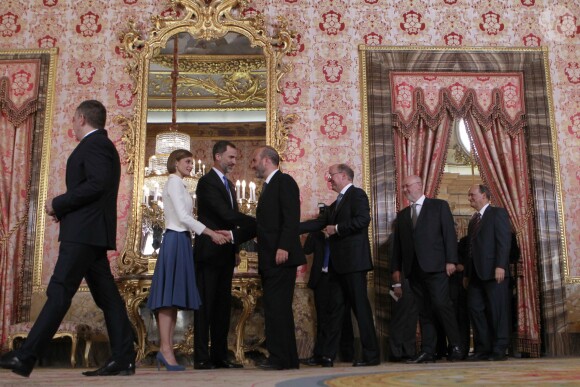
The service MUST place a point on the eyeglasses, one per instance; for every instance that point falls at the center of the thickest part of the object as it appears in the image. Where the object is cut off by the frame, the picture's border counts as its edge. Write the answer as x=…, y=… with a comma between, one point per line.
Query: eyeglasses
x=329, y=175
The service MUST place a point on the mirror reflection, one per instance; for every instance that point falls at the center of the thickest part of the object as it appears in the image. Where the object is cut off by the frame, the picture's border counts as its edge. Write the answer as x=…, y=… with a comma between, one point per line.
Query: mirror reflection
x=200, y=91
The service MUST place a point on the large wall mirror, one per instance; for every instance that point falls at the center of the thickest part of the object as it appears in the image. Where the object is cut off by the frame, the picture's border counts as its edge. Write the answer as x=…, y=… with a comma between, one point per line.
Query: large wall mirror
x=203, y=72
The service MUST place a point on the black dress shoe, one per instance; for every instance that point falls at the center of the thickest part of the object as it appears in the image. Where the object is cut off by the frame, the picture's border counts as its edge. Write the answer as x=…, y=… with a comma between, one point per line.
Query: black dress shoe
x=113, y=368
x=267, y=366
x=422, y=357
x=204, y=365
x=326, y=362
x=497, y=357
x=312, y=361
x=455, y=354
x=18, y=365
x=365, y=363
x=478, y=356
x=226, y=364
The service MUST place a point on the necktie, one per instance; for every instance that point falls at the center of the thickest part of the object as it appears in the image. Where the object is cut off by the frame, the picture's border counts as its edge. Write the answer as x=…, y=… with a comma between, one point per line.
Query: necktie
x=414, y=214
x=227, y=188
x=326, y=254
x=338, y=199
x=472, y=228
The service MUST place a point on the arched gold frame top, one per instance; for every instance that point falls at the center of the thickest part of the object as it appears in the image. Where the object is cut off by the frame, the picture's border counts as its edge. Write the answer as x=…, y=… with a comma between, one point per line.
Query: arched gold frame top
x=205, y=21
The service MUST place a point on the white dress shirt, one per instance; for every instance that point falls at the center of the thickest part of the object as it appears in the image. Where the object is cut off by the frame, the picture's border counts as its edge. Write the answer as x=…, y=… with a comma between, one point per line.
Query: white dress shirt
x=178, y=207
x=419, y=205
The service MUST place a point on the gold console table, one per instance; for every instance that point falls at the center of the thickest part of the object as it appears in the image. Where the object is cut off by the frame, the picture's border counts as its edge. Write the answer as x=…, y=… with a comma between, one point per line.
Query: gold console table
x=245, y=286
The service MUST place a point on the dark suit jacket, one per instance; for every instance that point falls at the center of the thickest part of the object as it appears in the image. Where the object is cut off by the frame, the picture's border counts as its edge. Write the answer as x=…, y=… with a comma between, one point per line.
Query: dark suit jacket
x=349, y=249
x=433, y=240
x=491, y=246
x=214, y=210
x=278, y=219
x=88, y=209
x=315, y=245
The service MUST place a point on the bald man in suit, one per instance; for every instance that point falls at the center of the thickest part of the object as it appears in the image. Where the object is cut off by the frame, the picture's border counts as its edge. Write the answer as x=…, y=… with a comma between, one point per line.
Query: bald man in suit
x=425, y=252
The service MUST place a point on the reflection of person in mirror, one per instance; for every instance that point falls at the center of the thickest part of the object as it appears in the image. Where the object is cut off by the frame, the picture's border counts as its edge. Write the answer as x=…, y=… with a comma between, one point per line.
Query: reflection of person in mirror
x=218, y=209
x=173, y=285
x=87, y=216
x=279, y=254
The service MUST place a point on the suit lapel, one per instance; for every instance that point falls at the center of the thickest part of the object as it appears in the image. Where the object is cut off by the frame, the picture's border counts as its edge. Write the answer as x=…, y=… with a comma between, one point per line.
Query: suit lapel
x=217, y=181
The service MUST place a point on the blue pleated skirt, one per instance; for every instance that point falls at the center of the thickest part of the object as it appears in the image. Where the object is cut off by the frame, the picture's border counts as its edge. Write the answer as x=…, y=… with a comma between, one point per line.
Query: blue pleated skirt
x=173, y=284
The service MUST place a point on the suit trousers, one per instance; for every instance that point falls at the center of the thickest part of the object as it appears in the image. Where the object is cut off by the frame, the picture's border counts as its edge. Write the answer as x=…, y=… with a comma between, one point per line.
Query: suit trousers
x=75, y=261
x=350, y=288
x=431, y=291
x=212, y=320
x=322, y=295
x=489, y=309
x=278, y=292
x=403, y=325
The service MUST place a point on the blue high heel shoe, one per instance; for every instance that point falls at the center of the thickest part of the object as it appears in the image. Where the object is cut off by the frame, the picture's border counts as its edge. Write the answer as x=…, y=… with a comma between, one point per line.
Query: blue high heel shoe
x=169, y=367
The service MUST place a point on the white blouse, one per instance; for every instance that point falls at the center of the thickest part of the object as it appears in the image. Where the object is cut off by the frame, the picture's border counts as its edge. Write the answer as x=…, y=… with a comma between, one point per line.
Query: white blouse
x=178, y=207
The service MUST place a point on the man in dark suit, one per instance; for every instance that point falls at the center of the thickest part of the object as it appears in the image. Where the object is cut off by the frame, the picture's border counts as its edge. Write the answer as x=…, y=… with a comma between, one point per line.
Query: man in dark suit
x=279, y=253
x=425, y=251
x=346, y=223
x=487, y=277
x=87, y=213
x=317, y=244
x=214, y=264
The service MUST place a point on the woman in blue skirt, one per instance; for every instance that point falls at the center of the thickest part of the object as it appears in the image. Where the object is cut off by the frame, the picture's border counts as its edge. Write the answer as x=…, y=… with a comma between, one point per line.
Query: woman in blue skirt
x=173, y=286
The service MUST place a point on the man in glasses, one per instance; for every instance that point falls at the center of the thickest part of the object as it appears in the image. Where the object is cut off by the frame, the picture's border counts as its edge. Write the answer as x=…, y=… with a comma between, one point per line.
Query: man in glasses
x=346, y=222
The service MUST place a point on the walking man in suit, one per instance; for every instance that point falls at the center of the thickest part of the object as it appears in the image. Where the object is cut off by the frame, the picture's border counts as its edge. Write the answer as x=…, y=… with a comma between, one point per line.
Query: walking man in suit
x=425, y=251
x=279, y=253
x=87, y=213
x=487, y=277
x=214, y=264
x=346, y=222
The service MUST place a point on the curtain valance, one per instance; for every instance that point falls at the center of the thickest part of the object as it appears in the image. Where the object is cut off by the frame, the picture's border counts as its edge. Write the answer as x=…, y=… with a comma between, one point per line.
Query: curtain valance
x=427, y=96
x=19, y=83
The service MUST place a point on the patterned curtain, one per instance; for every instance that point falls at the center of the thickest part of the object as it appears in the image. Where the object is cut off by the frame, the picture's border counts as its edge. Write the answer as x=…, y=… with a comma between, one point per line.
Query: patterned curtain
x=18, y=104
x=422, y=152
x=502, y=159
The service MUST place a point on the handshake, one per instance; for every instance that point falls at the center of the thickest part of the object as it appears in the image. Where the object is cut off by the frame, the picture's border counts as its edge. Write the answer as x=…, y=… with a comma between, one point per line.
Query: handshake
x=221, y=237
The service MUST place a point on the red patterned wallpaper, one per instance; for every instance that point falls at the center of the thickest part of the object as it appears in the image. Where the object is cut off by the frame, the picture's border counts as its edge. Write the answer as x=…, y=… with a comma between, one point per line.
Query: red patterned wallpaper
x=323, y=89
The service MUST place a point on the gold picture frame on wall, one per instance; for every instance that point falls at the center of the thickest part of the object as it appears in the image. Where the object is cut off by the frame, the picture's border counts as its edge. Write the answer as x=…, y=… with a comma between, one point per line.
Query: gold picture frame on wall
x=200, y=21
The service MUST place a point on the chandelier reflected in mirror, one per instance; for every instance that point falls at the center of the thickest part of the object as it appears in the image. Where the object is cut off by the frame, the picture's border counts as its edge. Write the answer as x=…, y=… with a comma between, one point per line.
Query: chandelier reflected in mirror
x=156, y=173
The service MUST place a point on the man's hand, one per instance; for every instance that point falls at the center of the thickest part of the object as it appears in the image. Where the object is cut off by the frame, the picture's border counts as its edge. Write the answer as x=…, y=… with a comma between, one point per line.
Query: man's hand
x=48, y=207
x=465, y=282
x=281, y=256
x=450, y=268
x=499, y=275
x=330, y=229
x=398, y=292
x=459, y=267
x=396, y=277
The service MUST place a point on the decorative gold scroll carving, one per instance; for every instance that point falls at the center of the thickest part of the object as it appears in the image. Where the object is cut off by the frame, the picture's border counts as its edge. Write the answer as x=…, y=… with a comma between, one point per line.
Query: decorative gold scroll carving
x=213, y=64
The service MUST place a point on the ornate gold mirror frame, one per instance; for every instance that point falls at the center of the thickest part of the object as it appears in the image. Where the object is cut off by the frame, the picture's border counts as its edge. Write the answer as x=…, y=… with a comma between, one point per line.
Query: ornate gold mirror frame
x=203, y=20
